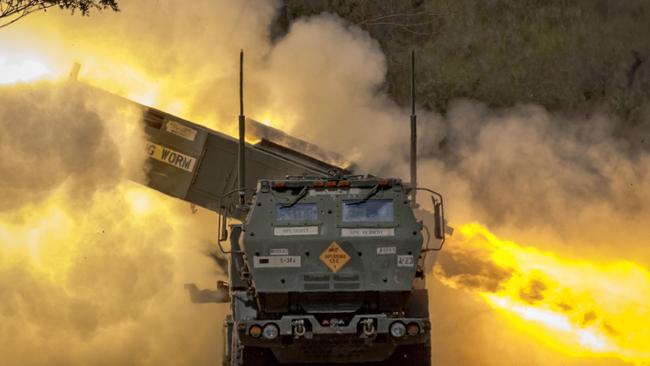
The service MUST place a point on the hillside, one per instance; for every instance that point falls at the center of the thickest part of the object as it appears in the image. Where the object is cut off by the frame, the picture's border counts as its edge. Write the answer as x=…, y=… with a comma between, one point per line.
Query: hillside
x=567, y=55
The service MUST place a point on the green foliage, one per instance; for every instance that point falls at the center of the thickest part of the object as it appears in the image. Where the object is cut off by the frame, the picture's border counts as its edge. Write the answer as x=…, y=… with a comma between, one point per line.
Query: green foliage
x=13, y=10
x=84, y=6
x=563, y=54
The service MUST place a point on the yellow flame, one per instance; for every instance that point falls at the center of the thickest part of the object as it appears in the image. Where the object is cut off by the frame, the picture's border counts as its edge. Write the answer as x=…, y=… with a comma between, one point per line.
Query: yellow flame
x=140, y=200
x=579, y=307
x=47, y=234
x=14, y=70
x=271, y=119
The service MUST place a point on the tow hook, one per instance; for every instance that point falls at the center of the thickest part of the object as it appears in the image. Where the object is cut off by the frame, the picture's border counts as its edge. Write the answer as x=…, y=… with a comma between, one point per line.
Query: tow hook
x=368, y=327
x=299, y=328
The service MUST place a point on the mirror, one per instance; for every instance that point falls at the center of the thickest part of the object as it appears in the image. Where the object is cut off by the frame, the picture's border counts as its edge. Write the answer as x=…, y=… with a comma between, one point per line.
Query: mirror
x=223, y=225
x=439, y=216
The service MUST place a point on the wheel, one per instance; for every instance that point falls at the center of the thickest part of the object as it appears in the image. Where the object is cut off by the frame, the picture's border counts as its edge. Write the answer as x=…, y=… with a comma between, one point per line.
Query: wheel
x=411, y=355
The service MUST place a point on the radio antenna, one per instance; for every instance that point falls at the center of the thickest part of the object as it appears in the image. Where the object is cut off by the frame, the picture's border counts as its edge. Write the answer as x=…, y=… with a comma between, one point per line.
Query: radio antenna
x=242, y=134
x=414, y=152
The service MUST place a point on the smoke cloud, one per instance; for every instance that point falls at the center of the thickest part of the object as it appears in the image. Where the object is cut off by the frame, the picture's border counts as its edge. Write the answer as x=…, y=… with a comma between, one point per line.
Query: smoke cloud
x=100, y=279
x=43, y=149
x=91, y=264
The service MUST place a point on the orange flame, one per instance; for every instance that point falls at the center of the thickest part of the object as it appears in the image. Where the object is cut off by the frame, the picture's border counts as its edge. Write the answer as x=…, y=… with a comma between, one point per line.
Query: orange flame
x=579, y=307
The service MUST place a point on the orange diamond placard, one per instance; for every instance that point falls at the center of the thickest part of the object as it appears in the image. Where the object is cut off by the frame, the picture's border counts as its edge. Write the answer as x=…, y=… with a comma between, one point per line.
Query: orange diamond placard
x=335, y=257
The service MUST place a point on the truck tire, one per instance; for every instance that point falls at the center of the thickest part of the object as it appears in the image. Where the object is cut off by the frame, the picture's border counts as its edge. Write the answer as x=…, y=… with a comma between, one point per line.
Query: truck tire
x=411, y=355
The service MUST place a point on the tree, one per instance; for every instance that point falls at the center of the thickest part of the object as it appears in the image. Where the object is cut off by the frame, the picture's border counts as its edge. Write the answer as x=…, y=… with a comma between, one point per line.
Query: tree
x=13, y=10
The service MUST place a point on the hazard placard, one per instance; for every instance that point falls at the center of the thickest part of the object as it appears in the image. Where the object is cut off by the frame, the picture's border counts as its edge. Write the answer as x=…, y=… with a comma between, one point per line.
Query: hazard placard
x=335, y=257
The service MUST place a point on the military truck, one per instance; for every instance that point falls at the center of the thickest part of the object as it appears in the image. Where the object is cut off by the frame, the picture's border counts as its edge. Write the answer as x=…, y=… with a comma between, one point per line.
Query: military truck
x=325, y=266
x=327, y=270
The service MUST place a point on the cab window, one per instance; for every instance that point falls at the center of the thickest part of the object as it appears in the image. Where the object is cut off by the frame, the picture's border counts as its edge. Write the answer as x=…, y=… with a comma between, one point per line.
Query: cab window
x=297, y=212
x=369, y=211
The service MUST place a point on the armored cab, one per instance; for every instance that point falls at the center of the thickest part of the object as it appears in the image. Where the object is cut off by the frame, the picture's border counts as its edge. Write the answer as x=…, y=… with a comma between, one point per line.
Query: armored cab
x=328, y=270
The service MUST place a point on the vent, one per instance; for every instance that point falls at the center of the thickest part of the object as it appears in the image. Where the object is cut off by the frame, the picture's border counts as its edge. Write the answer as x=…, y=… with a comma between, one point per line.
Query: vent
x=317, y=286
x=348, y=278
x=317, y=278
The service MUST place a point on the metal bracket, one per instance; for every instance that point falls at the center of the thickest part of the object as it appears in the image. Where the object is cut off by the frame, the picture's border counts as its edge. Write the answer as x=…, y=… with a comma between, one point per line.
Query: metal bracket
x=220, y=295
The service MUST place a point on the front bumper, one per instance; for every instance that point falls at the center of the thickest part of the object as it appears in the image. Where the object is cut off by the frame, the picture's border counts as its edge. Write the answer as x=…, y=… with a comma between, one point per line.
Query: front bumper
x=365, y=338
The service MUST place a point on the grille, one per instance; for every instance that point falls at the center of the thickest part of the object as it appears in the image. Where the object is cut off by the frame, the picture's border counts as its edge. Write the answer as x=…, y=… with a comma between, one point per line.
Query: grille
x=314, y=282
x=317, y=286
x=317, y=278
x=346, y=278
x=346, y=286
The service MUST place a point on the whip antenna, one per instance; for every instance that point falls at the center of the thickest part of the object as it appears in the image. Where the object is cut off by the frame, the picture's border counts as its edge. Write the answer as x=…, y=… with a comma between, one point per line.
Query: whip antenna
x=414, y=158
x=242, y=134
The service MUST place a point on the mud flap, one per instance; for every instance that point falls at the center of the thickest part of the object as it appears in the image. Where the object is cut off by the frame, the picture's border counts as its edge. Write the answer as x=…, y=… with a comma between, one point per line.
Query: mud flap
x=227, y=340
x=418, y=304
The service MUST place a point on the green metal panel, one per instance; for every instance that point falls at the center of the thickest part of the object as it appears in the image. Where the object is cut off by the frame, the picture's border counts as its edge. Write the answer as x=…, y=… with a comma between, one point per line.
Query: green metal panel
x=282, y=260
x=199, y=165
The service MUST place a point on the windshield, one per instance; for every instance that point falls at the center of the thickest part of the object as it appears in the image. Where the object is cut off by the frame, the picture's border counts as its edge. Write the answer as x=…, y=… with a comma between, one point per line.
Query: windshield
x=297, y=212
x=368, y=211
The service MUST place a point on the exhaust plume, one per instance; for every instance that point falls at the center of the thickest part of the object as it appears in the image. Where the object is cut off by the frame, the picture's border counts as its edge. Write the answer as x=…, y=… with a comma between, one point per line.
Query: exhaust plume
x=90, y=262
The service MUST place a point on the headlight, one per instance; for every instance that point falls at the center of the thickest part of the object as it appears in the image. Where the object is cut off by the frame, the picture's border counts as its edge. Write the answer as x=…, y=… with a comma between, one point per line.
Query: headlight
x=413, y=329
x=255, y=331
x=397, y=330
x=270, y=331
